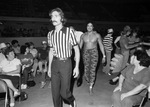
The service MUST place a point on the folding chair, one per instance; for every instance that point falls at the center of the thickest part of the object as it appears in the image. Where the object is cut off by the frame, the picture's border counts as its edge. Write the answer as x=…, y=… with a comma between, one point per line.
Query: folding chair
x=4, y=89
x=144, y=99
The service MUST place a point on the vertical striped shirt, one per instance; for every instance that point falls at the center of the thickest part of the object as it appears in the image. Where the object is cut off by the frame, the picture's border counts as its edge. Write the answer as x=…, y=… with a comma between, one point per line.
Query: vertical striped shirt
x=107, y=42
x=62, y=42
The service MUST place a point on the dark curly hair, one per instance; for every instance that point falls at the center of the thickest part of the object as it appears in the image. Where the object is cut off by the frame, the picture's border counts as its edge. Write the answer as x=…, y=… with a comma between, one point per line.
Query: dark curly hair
x=143, y=57
x=23, y=49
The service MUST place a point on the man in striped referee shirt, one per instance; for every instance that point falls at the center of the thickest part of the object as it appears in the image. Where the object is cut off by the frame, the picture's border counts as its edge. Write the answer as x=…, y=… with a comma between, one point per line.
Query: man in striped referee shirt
x=62, y=41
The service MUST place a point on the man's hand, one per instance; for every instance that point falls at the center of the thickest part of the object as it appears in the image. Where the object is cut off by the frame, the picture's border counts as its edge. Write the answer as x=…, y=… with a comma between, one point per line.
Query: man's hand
x=123, y=95
x=75, y=72
x=118, y=88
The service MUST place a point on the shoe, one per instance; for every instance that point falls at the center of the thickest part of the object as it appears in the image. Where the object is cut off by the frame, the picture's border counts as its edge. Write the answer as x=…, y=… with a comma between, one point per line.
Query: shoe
x=113, y=82
x=79, y=82
x=73, y=104
x=42, y=84
x=90, y=90
x=23, y=86
x=12, y=104
x=16, y=93
x=109, y=74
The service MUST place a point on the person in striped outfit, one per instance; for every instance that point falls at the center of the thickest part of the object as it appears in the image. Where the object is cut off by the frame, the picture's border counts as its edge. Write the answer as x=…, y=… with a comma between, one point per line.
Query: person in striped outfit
x=61, y=41
x=107, y=42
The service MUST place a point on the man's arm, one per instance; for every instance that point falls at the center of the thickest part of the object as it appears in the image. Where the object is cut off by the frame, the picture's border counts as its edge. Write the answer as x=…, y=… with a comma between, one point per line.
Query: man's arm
x=50, y=60
x=101, y=45
x=81, y=41
x=77, y=59
x=77, y=55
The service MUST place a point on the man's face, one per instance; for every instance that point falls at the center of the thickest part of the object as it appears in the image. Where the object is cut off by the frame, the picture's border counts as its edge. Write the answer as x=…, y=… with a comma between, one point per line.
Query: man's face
x=90, y=27
x=56, y=18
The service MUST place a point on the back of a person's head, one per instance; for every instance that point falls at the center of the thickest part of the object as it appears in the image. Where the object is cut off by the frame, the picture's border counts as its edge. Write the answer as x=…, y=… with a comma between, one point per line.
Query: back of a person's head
x=14, y=42
x=31, y=43
x=143, y=57
x=23, y=49
x=27, y=44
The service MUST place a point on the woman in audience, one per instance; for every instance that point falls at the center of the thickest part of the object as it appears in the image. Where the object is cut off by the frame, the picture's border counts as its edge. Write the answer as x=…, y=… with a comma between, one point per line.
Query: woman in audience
x=27, y=62
x=132, y=81
x=10, y=72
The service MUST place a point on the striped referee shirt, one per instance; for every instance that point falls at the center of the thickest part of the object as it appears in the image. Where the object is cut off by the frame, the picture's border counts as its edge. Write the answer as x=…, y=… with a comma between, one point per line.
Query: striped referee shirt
x=62, y=42
x=107, y=42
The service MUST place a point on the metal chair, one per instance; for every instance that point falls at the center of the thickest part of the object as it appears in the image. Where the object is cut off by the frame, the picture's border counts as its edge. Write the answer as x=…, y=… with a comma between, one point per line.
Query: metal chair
x=4, y=89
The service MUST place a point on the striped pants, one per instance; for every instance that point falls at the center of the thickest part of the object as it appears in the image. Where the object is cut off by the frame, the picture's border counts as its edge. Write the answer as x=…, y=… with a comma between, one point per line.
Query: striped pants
x=90, y=60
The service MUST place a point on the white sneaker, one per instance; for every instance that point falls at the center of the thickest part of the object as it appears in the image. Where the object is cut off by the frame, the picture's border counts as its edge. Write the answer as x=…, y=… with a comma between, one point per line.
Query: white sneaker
x=42, y=84
x=24, y=86
x=74, y=104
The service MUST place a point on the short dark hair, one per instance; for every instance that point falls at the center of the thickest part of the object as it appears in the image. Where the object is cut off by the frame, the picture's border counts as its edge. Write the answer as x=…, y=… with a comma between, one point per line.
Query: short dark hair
x=7, y=51
x=143, y=57
x=63, y=19
x=23, y=49
x=31, y=43
x=14, y=42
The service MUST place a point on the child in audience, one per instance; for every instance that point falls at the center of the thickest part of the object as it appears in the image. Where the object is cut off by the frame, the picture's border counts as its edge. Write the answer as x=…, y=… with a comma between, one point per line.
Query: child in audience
x=34, y=52
x=43, y=62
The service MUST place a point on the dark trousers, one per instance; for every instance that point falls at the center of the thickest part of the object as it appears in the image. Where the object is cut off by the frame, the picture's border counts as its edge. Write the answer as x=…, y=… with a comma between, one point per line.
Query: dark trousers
x=60, y=81
x=25, y=75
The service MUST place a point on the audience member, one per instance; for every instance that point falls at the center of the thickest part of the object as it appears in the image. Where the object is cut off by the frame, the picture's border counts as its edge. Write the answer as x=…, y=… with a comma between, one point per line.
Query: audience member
x=27, y=61
x=10, y=72
x=43, y=60
x=16, y=46
x=34, y=52
x=132, y=81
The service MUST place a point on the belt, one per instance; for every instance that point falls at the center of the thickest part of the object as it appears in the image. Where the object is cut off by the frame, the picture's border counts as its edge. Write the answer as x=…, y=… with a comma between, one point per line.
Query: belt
x=56, y=58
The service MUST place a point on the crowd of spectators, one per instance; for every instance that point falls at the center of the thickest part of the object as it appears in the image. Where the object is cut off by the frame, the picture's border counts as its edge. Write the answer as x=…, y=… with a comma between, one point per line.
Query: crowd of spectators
x=23, y=32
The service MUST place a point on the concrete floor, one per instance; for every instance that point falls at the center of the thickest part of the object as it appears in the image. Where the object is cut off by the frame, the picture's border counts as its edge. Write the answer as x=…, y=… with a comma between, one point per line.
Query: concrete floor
x=101, y=98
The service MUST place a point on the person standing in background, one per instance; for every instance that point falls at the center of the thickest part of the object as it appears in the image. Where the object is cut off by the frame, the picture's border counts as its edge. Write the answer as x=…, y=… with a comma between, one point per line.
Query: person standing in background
x=107, y=42
x=43, y=60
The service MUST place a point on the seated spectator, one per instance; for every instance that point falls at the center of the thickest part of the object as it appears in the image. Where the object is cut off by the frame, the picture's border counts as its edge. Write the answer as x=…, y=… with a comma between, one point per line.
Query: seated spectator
x=8, y=45
x=10, y=72
x=16, y=47
x=2, y=49
x=132, y=81
x=43, y=60
x=34, y=52
x=27, y=62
